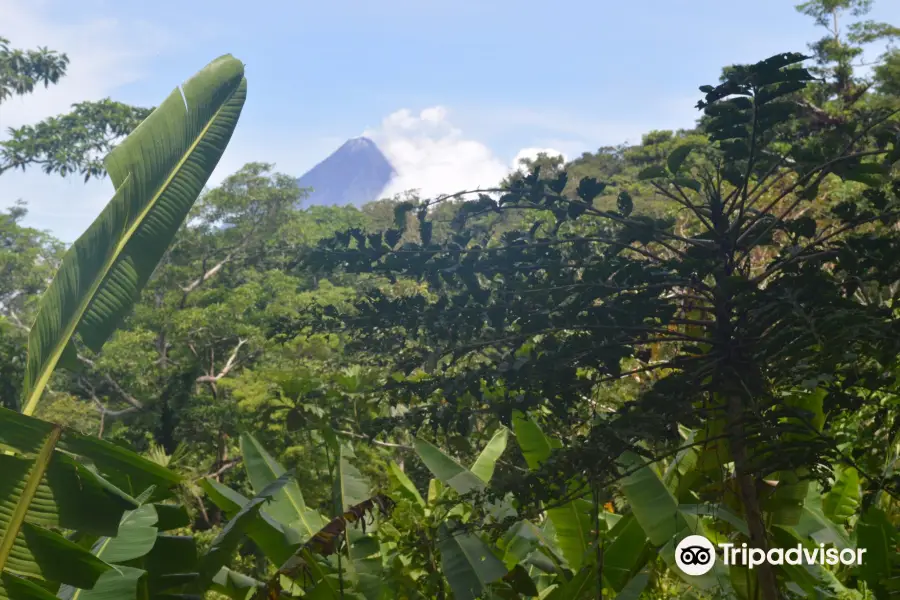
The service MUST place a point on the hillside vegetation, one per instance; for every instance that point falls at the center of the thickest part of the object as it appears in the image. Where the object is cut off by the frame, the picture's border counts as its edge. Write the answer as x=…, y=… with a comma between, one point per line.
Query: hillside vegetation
x=531, y=391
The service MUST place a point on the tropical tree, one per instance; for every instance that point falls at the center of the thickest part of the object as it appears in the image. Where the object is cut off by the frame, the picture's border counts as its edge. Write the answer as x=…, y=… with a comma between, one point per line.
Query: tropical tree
x=65, y=144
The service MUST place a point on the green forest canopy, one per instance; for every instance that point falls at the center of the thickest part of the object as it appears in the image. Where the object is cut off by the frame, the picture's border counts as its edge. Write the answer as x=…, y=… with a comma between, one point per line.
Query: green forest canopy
x=532, y=390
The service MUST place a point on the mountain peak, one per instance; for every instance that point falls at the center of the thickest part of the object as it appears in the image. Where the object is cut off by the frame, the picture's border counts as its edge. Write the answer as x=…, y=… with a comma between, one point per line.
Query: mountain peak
x=359, y=143
x=355, y=173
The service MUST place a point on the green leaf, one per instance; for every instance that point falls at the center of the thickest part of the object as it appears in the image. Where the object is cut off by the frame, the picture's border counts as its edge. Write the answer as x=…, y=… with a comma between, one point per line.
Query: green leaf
x=19, y=588
x=841, y=502
x=235, y=585
x=135, y=538
x=467, y=563
x=583, y=585
x=521, y=582
x=287, y=506
x=813, y=524
x=519, y=541
x=716, y=511
x=446, y=469
x=677, y=157
x=118, y=584
x=276, y=540
x=158, y=172
x=118, y=466
x=686, y=182
x=654, y=172
x=26, y=502
x=634, y=588
x=173, y=566
x=878, y=536
x=656, y=510
x=814, y=579
x=483, y=467
x=624, y=203
x=571, y=520
x=405, y=485
x=57, y=558
x=350, y=487
x=172, y=516
x=652, y=504
x=627, y=552
x=224, y=545
x=535, y=446
x=70, y=495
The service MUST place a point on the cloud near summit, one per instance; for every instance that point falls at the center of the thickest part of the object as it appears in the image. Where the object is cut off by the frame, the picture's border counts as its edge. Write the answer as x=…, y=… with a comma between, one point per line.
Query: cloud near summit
x=432, y=155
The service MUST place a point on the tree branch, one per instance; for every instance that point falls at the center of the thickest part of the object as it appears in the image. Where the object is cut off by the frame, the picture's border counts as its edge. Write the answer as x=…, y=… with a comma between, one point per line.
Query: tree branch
x=134, y=402
x=229, y=364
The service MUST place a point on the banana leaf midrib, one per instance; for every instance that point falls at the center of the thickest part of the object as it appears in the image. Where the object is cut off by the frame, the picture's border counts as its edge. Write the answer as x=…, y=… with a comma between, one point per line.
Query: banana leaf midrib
x=42, y=461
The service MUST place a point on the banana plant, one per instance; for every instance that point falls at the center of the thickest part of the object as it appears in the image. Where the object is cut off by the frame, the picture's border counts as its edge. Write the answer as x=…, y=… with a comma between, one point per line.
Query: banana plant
x=661, y=511
x=471, y=566
x=333, y=558
x=148, y=562
x=54, y=479
x=312, y=554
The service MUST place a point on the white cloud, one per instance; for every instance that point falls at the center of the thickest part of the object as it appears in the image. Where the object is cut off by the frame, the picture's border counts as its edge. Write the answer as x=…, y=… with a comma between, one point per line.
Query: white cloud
x=433, y=156
x=105, y=54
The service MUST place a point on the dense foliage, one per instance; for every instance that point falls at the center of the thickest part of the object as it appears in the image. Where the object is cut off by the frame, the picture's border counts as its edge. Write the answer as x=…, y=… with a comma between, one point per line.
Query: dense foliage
x=534, y=390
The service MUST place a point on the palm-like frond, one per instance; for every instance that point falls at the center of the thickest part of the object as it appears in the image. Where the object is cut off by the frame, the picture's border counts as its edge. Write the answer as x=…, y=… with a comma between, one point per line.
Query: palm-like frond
x=158, y=172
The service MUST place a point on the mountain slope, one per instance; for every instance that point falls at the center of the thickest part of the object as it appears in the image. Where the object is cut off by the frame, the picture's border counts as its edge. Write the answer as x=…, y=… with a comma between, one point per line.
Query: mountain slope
x=355, y=173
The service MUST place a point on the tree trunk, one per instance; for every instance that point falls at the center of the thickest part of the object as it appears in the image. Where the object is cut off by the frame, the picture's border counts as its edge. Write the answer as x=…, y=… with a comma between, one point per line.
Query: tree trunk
x=768, y=586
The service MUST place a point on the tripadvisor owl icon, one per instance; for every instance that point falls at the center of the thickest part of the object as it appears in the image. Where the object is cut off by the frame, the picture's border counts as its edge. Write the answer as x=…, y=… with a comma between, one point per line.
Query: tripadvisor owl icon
x=695, y=555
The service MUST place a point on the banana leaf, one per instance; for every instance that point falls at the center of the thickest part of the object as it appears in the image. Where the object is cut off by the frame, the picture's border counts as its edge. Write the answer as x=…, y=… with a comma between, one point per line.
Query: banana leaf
x=55, y=478
x=158, y=171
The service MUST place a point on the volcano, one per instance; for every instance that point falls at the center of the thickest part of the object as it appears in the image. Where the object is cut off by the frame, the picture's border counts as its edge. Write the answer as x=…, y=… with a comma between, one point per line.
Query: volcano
x=356, y=173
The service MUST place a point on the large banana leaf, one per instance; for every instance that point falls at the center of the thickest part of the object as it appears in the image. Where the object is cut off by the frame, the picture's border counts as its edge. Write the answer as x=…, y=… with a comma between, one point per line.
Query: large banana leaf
x=234, y=585
x=287, y=506
x=146, y=563
x=448, y=470
x=663, y=521
x=842, y=501
x=483, y=467
x=350, y=487
x=225, y=544
x=463, y=480
x=403, y=485
x=814, y=524
x=814, y=579
x=626, y=553
x=879, y=536
x=158, y=172
x=572, y=520
x=277, y=541
x=45, y=484
x=582, y=585
x=785, y=505
x=134, y=540
x=467, y=563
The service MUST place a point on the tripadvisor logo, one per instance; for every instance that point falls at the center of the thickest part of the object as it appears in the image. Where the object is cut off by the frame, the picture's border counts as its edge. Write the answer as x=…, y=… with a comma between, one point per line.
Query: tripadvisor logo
x=696, y=555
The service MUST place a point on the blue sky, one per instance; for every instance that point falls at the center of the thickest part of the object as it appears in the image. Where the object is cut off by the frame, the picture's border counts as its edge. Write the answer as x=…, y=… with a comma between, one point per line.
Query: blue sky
x=452, y=91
